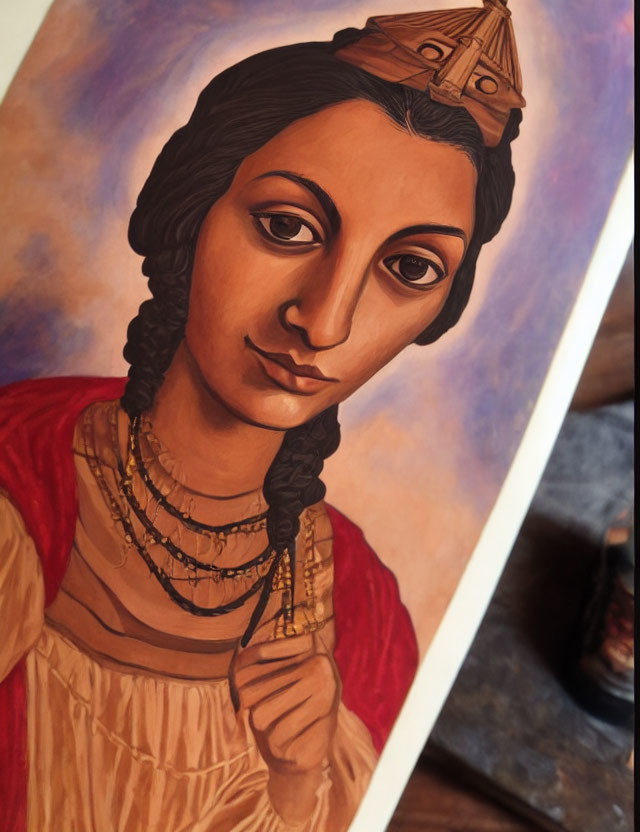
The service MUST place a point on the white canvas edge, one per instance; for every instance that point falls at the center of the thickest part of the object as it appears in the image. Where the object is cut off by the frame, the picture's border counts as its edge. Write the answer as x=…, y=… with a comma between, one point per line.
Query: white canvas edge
x=19, y=22
x=438, y=669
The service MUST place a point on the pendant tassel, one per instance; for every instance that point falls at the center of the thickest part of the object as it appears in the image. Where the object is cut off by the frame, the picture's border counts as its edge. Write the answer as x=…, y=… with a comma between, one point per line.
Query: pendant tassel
x=258, y=612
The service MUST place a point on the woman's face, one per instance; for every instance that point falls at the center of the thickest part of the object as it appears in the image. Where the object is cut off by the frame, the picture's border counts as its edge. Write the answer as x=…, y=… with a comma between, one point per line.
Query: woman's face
x=334, y=247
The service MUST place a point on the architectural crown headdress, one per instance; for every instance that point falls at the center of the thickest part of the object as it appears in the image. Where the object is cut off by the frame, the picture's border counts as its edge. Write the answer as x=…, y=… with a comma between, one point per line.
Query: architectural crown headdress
x=462, y=57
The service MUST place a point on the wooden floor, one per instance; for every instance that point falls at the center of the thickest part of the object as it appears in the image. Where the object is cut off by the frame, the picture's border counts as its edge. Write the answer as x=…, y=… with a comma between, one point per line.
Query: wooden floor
x=436, y=802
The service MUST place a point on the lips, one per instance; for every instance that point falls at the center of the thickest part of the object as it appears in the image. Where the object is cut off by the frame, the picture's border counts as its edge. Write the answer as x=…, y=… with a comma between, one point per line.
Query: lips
x=288, y=374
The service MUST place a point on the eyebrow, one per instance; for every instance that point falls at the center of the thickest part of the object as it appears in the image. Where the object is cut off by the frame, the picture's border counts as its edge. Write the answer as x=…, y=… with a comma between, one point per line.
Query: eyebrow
x=326, y=203
x=335, y=220
x=429, y=228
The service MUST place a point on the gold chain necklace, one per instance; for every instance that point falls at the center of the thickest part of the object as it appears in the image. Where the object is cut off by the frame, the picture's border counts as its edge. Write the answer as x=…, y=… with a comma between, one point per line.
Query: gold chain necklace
x=265, y=570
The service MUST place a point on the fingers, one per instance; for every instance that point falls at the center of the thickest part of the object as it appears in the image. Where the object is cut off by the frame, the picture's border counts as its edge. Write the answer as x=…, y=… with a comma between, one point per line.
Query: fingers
x=253, y=674
x=253, y=689
x=269, y=713
x=314, y=688
x=269, y=658
x=292, y=741
x=274, y=651
x=309, y=747
x=291, y=690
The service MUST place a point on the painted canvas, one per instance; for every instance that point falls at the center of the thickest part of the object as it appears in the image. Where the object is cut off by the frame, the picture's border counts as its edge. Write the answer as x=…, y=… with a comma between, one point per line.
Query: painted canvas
x=280, y=290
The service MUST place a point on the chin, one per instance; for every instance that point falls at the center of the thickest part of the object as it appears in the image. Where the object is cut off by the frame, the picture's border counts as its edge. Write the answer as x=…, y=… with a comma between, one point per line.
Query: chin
x=274, y=411
x=250, y=395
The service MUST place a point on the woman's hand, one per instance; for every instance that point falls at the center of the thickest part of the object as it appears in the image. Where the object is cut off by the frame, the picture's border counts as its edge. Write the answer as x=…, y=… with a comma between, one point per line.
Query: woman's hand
x=291, y=689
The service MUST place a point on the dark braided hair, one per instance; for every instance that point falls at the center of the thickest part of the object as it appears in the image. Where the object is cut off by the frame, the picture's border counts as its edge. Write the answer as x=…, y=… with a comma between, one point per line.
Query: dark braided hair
x=239, y=111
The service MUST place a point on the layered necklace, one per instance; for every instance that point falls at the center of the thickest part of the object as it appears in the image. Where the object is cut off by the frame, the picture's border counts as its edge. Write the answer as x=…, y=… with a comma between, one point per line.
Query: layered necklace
x=265, y=567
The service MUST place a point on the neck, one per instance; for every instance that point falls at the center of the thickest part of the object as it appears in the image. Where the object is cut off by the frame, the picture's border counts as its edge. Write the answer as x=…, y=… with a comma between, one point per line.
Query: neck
x=220, y=453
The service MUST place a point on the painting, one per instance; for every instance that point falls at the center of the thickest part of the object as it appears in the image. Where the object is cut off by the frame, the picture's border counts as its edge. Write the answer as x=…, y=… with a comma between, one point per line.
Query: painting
x=281, y=291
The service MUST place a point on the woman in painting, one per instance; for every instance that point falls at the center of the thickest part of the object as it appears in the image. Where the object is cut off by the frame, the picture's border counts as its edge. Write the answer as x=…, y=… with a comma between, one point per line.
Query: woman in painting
x=193, y=639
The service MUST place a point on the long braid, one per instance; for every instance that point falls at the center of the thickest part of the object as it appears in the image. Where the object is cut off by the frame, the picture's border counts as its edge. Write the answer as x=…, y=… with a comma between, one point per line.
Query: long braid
x=292, y=483
x=293, y=480
x=154, y=334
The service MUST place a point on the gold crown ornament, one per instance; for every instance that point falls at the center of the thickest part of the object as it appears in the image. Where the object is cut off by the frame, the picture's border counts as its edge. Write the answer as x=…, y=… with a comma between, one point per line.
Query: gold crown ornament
x=461, y=57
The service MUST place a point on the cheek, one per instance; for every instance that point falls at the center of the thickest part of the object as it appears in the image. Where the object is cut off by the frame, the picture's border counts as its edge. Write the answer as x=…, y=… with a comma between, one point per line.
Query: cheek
x=227, y=291
x=383, y=329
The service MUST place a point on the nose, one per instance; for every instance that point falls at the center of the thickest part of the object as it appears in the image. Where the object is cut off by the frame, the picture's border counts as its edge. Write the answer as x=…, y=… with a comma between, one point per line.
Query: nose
x=322, y=313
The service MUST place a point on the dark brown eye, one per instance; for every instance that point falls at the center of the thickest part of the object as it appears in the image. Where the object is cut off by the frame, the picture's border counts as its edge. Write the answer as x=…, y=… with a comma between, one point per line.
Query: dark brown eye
x=286, y=228
x=415, y=270
x=411, y=267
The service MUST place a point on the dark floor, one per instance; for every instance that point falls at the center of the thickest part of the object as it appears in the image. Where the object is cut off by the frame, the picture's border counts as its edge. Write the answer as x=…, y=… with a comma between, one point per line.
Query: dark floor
x=435, y=801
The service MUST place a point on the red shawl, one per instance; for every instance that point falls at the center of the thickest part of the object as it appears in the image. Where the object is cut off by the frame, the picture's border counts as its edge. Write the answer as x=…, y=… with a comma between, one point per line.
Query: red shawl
x=376, y=650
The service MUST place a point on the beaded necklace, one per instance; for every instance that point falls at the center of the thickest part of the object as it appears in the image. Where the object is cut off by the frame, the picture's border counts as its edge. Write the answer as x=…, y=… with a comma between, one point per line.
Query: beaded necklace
x=251, y=523
x=125, y=486
x=266, y=572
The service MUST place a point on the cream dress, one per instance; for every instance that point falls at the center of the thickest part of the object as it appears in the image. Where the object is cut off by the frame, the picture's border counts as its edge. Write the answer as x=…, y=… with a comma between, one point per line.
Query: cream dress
x=115, y=745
